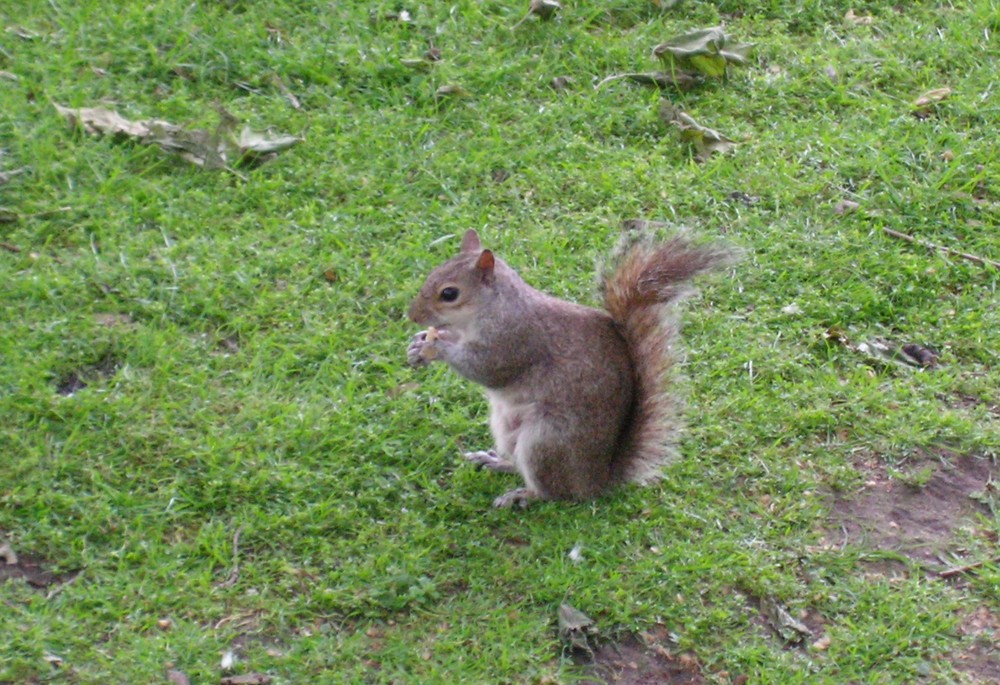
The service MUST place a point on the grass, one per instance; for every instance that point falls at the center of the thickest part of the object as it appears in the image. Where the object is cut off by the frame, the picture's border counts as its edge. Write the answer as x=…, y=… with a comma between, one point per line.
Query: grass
x=242, y=340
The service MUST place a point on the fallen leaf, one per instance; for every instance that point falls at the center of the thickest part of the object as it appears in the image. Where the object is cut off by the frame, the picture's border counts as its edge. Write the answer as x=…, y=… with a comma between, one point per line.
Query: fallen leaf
x=7, y=554
x=417, y=64
x=689, y=662
x=904, y=356
x=679, y=78
x=543, y=9
x=450, y=91
x=402, y=16
x=931, y=97
x=845, y=207
x=789, y=628
x=101, y=121
x=561, y=83
x=707, y=51
x=264, y=142
x=279, y=83
x=216, y=149
x=575, y=628
x=113, y=319
x=402, y=389
x=858, y=20
x=706, y=141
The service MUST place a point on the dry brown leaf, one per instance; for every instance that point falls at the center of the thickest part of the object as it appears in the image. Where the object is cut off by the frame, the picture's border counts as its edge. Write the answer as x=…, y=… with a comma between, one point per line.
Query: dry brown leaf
x=7, y=554
x=932, y=96
x=845, y=207
x=101, y=121
x=706, y=141
x=216, y=149
x=822, y=643
x=858, y=20
x=789, y=628
x=286, y=91
x=450, y=91
x=543, y=9
x=561, y=83
x=678, y=78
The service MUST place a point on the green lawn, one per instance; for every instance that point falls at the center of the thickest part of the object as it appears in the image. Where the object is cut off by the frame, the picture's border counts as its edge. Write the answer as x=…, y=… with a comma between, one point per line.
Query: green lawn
x=209, y=434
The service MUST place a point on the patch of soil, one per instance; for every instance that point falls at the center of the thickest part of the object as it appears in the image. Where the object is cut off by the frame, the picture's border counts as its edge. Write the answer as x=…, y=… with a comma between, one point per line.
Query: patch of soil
x=982, y=660
x=631, y=662
x=770, y=625
x=981, y=663
x=33, y=570
x=915, y=520
x=965, y=401
x=78, y=379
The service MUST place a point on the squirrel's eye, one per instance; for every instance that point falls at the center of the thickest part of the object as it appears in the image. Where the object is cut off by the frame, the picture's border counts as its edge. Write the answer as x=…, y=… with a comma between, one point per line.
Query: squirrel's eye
x=449, y=294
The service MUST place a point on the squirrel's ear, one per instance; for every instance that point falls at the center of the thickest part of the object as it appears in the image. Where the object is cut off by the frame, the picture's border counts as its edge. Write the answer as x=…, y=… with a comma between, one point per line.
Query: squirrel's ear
x=484, y=265
x=470, y=241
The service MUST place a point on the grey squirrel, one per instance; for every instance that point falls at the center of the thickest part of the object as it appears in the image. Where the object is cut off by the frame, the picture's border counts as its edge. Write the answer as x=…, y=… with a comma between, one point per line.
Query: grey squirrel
x=579, y=397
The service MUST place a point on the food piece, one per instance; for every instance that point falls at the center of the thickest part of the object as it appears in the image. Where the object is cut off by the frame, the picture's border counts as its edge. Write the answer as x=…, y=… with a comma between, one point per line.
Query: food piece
x=429, y=351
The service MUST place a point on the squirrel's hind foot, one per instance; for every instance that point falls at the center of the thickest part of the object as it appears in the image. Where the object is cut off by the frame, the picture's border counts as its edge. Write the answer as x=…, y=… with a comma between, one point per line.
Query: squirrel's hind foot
x=520, y=497
x=491, y=460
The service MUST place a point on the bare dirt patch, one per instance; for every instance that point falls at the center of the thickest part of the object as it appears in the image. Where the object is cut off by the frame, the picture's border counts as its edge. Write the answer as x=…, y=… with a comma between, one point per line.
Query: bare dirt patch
x=78, y=379
x=966, y=401
x=34, y=571
x=981, y=661
x=914, y=511
x=632, y=662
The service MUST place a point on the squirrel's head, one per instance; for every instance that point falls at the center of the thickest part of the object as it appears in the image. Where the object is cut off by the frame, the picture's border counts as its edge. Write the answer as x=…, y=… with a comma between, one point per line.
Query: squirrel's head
x=453, y=293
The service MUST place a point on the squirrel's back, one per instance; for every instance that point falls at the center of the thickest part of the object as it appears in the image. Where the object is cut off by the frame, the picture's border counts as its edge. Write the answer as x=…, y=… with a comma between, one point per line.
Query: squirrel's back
x=641, y=289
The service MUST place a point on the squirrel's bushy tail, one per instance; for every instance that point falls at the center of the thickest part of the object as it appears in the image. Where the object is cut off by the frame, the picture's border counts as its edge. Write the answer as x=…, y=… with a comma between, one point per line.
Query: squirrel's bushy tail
x=641, y=288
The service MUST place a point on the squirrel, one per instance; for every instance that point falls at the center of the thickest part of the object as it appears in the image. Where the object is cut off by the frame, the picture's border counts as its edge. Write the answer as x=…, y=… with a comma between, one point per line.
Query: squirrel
x=579, y=397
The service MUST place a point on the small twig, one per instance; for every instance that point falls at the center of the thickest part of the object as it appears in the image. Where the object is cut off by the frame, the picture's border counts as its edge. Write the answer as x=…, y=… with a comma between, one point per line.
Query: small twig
x=234, y=575
x=10, y=247
x=959, y=570
x=289, y=95
x=941, y=248
x=62, y=586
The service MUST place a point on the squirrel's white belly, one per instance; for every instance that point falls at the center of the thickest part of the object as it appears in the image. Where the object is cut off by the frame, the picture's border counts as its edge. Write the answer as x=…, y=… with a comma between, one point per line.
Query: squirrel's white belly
x=512, y=423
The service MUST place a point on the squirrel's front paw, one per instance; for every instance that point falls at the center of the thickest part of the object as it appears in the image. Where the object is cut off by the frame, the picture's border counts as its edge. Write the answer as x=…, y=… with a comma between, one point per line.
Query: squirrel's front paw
x=423, y=348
